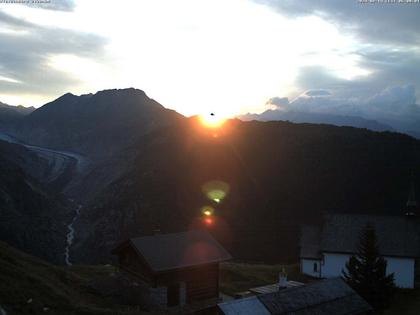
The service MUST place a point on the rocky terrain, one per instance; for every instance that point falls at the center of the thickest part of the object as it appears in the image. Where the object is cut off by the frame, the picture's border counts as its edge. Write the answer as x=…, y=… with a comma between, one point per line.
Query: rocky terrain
x=33, y=215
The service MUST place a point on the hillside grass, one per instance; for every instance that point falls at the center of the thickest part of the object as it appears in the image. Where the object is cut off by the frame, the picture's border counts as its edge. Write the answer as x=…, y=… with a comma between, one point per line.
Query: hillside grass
x=29, y=285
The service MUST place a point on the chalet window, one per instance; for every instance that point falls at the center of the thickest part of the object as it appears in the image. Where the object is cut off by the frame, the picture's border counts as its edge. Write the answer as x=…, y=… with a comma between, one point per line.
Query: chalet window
x=315, y=267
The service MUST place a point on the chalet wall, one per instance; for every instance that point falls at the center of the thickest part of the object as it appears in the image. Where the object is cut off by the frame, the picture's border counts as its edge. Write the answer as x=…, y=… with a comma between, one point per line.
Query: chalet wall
x=417, y=273
x=403, y=268
x=183, y=294
x=200, y=282
x=333, y=265
x=195, y=283
x=307, y=266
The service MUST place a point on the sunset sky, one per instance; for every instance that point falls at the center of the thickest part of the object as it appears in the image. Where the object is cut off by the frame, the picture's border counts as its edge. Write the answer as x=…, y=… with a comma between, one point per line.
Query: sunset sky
x=226, y=56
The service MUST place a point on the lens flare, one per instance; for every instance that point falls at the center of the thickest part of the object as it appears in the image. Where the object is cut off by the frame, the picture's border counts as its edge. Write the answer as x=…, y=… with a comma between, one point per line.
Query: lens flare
x=208, y=221
x=216, y=190
x=207, y=211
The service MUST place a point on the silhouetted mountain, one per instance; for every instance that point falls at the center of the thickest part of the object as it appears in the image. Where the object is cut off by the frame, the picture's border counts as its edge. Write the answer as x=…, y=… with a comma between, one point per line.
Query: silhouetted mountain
x=94, y=124
x=280, y=175
x=11, y=115
x=317, y=118
x=148, y=167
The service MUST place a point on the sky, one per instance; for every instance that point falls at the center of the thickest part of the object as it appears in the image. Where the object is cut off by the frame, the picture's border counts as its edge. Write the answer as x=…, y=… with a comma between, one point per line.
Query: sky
x=223, y=56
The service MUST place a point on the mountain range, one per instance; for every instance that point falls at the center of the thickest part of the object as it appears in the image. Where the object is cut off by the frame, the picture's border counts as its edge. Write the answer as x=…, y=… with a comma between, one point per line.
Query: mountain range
x=10, y=115
x=117, y=164
x=317, y=118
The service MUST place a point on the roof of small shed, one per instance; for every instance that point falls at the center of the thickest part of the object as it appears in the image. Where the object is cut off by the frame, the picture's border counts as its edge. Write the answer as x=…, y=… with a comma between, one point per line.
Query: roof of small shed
x=163, y=252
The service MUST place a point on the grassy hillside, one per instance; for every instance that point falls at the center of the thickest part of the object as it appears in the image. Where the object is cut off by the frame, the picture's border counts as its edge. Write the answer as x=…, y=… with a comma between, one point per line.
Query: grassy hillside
x=31, y=286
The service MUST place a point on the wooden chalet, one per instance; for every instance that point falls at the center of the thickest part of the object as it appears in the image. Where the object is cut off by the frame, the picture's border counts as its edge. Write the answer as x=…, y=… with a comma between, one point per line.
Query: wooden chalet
x=180, y=268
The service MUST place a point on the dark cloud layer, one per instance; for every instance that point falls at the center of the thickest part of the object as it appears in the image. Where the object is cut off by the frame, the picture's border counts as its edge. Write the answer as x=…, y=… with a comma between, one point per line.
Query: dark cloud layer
x=25, y=50
x=375, y=22
x=389, y=50
x=317, y=93
x=278, y=102
x=394, y=106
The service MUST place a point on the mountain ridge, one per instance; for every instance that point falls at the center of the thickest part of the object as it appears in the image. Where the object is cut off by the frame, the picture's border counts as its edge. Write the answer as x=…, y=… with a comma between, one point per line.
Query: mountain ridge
x=318, y=118
x=84, y=123
x=147, y=167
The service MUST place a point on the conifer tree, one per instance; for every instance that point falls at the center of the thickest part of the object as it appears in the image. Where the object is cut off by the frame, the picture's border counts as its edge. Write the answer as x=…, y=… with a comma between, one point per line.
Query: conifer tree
x=365, y=272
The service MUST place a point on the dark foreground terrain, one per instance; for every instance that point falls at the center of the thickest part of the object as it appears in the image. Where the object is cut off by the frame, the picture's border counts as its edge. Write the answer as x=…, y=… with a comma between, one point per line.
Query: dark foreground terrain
x=29, y=285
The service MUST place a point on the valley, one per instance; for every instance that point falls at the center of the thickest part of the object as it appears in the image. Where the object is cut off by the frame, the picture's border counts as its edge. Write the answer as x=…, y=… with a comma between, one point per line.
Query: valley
x=63, y=167
x=117, y=164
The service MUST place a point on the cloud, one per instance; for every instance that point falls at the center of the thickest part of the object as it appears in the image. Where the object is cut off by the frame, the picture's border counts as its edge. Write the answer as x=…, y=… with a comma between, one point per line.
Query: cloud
x=389, y=101
x=278, y=102
x=388, y=44
x=395, y=96
x=387, y=48
x=317, y=93
x=374, y=22
x=25, y=52
x=393, y=108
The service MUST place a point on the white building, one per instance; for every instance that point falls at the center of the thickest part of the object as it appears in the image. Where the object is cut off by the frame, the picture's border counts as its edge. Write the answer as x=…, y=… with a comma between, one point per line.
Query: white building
x=324, y=250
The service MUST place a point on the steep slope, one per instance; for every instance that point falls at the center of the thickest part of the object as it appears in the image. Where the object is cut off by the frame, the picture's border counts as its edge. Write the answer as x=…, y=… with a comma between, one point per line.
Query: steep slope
x=33, y=217
x=279, y=175
x=95, y=124
x=29, y=285
x=100, y=126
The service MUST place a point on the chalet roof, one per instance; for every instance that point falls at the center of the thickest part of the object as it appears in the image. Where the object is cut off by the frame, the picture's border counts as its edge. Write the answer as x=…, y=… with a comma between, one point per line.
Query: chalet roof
x=397, y=235
x=310, y=242
x=164, y=252
x=274, y=287
x=326, y=297
x=245, y=306
x=331, y=296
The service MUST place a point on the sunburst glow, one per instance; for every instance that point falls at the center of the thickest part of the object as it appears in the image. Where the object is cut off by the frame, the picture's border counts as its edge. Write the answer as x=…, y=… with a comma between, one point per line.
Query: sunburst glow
x=212, y=120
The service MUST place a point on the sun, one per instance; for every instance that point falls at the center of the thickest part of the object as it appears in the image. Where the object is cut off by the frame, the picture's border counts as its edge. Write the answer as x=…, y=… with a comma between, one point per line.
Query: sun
x=212, y=120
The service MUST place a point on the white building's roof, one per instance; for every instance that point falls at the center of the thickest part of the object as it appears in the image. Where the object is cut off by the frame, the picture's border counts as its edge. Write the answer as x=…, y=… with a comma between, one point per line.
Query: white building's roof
x=397, y=235
x=246, y=306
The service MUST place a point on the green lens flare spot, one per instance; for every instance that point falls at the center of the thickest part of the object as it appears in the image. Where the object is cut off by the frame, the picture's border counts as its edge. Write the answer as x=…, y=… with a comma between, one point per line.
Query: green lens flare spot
x=216, y=190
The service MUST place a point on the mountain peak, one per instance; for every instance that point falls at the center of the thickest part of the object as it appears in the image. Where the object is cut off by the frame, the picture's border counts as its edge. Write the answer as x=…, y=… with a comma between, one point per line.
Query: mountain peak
x=125, y=91
x=114, y=116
